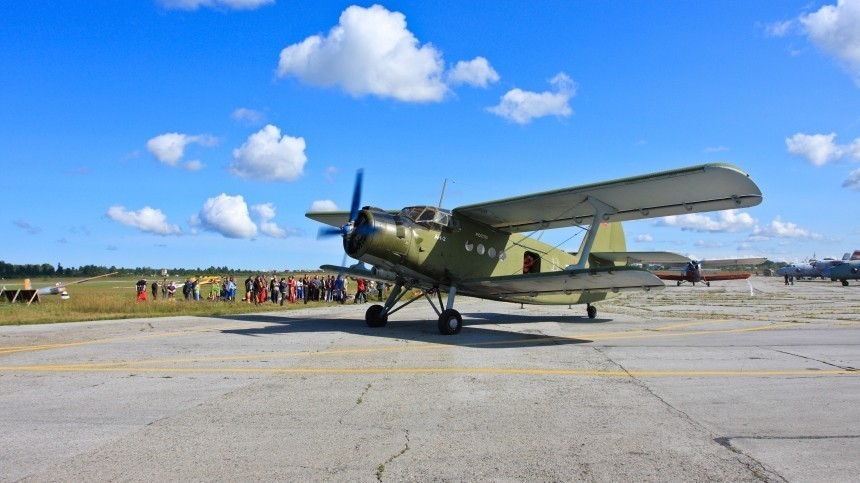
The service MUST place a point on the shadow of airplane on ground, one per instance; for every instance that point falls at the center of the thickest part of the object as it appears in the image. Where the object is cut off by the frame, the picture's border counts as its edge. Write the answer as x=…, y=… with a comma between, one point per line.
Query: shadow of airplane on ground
x=472, y=335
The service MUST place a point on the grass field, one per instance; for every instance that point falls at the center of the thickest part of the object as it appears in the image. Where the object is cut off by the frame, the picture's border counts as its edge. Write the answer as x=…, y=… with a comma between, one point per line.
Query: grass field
x=115, y=298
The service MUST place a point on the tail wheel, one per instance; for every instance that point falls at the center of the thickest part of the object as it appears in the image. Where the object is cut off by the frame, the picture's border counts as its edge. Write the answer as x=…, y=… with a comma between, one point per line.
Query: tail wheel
x=591, y=311
x=450, y=322
x=374, y=317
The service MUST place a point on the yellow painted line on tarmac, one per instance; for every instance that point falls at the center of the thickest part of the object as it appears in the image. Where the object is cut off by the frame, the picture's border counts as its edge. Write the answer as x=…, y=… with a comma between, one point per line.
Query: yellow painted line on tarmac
x=432, y=370
x=342, y=352
x=12, y=350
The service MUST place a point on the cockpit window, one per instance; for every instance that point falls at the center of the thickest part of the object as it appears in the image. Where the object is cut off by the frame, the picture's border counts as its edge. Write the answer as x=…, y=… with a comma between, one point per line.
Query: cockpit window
x=428, y=216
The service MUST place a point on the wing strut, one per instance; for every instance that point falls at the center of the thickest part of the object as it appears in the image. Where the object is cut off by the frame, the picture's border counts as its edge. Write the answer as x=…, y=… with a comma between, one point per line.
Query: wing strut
x=601, y=211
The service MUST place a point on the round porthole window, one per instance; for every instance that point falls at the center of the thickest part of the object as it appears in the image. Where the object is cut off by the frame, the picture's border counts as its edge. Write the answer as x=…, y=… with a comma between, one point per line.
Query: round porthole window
x=502, y=255
x=491, y=252
x=469, y=246
x=481, y=249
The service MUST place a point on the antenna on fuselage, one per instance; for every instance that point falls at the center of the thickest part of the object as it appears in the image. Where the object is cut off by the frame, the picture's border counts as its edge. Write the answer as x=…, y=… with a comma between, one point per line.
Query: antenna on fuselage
x=444, y=183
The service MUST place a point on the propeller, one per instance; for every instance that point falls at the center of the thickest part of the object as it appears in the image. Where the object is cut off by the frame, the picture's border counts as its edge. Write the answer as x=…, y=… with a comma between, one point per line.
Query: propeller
x=345, y=230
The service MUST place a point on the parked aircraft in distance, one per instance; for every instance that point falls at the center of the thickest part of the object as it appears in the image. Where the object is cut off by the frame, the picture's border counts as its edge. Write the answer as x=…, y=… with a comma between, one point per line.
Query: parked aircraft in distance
x=480, y=250
x=815, y=268
x=800, y=270
x=844, y=270
x=693, y=271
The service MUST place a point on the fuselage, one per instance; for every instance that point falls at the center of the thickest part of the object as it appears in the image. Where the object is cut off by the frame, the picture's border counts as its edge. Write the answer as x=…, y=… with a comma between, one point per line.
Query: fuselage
x=435, y=246
x=847, y=270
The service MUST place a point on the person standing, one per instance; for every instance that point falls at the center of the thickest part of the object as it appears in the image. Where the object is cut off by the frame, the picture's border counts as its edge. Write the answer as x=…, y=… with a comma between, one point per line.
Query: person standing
x=155, y=290
x=273, y=290
x=231, y=290
x=141, y=290
x=360, y=296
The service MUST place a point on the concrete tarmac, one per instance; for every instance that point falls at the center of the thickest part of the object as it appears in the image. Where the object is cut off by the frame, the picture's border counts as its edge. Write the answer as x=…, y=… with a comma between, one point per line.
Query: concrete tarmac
x=734, y=382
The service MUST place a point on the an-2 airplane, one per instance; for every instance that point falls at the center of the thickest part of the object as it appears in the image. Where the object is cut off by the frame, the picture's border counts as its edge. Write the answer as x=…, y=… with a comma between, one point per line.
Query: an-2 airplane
x=480, y=250
x=693, y=272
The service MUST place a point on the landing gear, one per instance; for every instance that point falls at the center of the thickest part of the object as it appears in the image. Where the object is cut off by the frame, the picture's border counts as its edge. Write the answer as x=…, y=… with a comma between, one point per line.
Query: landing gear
x=844, y=283
x=708, y=284
x=591, y=311
x=450, y=322
x=374, y=317
x=679, y=283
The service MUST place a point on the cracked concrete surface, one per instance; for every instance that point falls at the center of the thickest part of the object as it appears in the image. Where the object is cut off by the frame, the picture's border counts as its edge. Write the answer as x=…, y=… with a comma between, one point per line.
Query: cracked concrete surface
x=690, y=384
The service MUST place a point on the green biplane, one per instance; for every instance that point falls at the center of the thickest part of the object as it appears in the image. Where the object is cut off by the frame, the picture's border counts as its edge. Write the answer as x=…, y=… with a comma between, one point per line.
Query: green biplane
x=480, y=250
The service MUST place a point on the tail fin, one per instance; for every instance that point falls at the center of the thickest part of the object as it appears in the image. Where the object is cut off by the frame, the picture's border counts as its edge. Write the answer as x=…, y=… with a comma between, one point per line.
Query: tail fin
x=609, y=238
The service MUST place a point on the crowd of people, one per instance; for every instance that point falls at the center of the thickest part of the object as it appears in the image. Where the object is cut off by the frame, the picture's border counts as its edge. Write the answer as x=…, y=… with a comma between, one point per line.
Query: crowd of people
x=269, y=289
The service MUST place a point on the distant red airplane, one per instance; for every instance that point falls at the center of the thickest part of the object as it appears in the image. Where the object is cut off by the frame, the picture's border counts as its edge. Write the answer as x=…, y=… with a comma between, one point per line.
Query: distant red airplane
x=693, y=273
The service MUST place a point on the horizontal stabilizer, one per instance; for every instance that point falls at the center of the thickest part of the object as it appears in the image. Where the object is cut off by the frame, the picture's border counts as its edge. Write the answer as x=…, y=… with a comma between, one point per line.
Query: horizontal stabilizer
x=358, y=270
x=641, y=257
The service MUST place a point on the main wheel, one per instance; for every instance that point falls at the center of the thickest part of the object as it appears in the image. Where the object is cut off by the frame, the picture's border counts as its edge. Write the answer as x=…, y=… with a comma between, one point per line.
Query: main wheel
x=450, y=322
x=708, y=284
x=679, y=283
x=374, y=317
x=845, y=283
x=591, y=311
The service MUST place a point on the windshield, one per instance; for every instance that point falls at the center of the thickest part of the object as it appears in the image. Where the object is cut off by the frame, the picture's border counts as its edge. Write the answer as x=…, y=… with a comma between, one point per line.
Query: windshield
x=428, y=216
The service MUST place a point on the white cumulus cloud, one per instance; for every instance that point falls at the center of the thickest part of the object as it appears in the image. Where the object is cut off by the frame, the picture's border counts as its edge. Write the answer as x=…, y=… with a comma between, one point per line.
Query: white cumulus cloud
x=477, y=72
x=835, y=29
x=169, y=148
x=522, y=106
x=820, y=149
x=146, y=219
x=370, y=51
x=323, y=205
x=216, y=4
x=728, y=221
x=227, y=215
x=646, y=238
x=267, y=155
x=265, y=212
x=780, y=229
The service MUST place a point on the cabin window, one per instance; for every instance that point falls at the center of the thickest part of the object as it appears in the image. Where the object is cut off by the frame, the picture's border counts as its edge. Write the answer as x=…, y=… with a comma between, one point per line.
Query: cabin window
x=469, y=246
x=480, y=248
x=491, y=252
x=502, y=255
x=531, y=262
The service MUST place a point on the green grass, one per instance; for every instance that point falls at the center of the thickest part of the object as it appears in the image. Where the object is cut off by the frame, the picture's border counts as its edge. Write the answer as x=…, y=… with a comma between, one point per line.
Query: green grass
x=115, y=298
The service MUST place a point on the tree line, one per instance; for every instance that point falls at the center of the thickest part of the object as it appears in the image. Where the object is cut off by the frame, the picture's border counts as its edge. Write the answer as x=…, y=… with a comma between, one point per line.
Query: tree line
x=29, y=270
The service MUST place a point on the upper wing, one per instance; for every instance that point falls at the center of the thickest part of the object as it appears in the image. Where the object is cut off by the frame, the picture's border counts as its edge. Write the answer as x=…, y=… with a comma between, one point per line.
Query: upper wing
x=610, y=279
x=695, y=189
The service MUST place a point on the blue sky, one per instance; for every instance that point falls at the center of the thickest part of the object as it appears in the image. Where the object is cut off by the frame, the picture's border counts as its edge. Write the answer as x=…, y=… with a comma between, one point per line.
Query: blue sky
x=186, y=133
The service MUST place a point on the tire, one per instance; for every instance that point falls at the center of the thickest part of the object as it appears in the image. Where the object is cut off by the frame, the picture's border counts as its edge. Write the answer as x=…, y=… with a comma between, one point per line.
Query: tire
x=591, y=311
x=845, y=283
x=450, y=322
x=374, y=317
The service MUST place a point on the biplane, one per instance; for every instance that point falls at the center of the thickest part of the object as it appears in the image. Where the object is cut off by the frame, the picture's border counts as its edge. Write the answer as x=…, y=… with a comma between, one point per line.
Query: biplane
x=693, y=272
x=485, y=250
